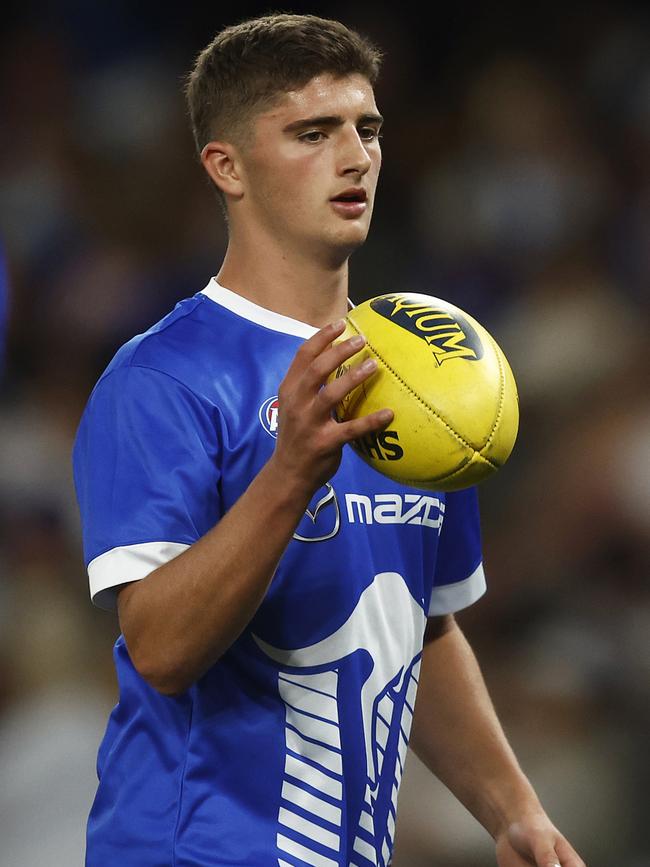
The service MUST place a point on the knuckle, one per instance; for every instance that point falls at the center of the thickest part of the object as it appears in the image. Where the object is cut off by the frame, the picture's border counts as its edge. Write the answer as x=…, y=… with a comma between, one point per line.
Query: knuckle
x=355, y=429
x=323, y=445
x=348, y=348
x=317, y=370
x=325, y=397
x=305, y=350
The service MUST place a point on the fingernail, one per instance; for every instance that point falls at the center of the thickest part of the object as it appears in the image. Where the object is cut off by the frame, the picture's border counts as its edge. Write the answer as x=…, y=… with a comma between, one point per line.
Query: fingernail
x=357, y=341
x=340, y=323
x=369, y=364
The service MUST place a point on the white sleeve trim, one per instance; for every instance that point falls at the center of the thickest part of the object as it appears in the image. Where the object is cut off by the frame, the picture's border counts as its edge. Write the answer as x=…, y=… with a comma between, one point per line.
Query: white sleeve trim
x=453, y=597
x=124, y=564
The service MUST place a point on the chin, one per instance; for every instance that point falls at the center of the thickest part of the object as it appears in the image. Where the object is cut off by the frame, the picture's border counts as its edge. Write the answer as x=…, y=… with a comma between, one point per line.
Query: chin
x=342, y=251
x=352, y=235
x=338, y=245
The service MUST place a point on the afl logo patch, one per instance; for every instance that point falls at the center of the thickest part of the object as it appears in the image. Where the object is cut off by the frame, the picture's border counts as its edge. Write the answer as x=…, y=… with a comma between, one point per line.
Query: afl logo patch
x=269, y=416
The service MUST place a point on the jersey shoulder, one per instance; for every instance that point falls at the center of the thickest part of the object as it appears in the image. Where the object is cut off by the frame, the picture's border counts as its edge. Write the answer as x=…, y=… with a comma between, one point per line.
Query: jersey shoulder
x=185, y=344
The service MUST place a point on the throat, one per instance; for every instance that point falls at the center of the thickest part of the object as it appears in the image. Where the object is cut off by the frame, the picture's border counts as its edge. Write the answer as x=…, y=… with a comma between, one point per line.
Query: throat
x=301, y=290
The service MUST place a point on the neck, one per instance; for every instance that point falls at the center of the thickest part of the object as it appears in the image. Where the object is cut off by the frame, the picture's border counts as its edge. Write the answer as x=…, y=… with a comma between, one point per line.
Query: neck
x=297, y=285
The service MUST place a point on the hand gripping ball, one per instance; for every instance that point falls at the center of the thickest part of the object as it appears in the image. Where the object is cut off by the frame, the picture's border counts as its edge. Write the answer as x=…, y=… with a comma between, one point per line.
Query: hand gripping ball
x=451, y=389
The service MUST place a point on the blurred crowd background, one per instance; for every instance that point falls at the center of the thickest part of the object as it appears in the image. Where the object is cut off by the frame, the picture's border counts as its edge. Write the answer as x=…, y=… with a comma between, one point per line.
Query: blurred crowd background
x=516, y=183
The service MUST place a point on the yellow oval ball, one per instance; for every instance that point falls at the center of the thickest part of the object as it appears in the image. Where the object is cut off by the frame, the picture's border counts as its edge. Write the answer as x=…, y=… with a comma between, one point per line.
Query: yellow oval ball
x=448, y=383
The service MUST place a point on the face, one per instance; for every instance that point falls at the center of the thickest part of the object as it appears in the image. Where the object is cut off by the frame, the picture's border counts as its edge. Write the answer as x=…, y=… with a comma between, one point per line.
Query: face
x=309, y=174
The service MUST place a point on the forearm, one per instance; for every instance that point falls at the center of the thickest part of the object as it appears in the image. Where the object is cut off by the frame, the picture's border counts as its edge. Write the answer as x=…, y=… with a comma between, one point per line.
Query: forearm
x=181, y=618
x=457, y=734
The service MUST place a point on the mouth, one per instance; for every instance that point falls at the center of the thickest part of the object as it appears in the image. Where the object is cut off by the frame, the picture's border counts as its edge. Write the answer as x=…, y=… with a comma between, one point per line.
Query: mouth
x=354, y=194
x=350, y=203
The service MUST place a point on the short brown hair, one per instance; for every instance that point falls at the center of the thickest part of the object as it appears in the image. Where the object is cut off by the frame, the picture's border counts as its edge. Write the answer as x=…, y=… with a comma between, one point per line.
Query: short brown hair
x=248, y=65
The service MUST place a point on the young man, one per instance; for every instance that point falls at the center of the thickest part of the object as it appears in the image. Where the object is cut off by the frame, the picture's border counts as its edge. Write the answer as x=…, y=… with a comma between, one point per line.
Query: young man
x=273, y=632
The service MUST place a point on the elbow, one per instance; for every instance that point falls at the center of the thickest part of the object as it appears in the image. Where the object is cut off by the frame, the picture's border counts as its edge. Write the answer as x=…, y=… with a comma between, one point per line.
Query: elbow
x=167, y=681
x=160, y=659
x=168, y=684
x=162, y=673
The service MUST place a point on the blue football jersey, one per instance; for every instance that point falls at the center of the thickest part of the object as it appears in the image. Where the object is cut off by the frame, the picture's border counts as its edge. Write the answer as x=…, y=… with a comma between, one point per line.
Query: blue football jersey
x=290, y=749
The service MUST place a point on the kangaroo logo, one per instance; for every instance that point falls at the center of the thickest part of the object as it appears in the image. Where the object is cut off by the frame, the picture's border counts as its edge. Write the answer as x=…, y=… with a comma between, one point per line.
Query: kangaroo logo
x=386, y=627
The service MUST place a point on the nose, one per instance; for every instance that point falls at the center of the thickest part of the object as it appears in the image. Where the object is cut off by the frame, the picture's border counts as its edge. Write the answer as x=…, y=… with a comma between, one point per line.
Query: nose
x=354, y=157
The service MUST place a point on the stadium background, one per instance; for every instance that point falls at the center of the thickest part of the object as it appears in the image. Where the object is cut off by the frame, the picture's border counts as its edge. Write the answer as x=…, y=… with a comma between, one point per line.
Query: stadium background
x=516, y=184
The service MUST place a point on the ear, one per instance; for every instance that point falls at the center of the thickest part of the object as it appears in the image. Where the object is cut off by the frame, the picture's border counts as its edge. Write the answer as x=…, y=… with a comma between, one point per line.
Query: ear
x=221, y=162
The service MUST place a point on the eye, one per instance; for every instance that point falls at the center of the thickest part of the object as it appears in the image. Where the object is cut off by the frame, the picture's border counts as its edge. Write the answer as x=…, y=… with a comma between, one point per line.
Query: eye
x=369, y=133
x=312, y=137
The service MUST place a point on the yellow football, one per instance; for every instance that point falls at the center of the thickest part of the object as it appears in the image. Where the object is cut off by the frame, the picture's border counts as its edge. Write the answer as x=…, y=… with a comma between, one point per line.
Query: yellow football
x=448, y=383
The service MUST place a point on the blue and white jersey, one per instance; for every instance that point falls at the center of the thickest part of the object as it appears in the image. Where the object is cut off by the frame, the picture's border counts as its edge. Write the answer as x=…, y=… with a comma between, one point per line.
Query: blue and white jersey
x=290, y=749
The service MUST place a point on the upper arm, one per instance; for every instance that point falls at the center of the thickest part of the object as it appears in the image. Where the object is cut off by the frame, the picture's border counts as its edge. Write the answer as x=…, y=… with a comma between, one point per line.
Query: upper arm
x=147, y=472
x=123, y=597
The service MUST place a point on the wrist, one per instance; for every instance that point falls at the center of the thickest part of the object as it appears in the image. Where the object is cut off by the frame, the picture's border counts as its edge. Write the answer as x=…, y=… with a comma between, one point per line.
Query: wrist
x=512, y=804
x=285, y=485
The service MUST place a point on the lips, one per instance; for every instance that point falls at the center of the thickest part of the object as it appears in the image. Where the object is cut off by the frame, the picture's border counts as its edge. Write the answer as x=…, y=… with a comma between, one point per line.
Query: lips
x=352, y=194
x=350, y=203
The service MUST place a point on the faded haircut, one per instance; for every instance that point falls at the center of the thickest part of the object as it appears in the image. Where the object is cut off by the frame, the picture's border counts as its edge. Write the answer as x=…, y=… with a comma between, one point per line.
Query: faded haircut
x=249, y=65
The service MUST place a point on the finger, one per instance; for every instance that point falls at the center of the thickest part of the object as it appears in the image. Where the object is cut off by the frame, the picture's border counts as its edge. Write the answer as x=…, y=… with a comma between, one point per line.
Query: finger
x=313, y=347
x=359, y=427
x=334, y=392
x=331, y=359
x=568, y=857
x=546, y=857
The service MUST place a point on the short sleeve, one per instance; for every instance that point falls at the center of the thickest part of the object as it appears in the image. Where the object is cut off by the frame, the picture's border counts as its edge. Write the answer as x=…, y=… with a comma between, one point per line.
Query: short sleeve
x=459, y=579
x=146, y=466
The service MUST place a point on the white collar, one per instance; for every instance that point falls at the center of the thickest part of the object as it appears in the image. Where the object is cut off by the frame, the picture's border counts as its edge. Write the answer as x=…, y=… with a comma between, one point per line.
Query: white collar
x=254, y=313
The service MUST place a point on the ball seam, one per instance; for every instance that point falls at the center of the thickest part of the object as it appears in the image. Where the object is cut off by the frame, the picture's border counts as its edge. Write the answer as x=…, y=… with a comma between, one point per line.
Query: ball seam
x=502, y=400
x=457, y=472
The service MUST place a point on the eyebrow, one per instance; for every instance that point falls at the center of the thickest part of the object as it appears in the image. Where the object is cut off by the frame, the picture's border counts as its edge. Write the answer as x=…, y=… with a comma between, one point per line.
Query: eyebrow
x=330, y=120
